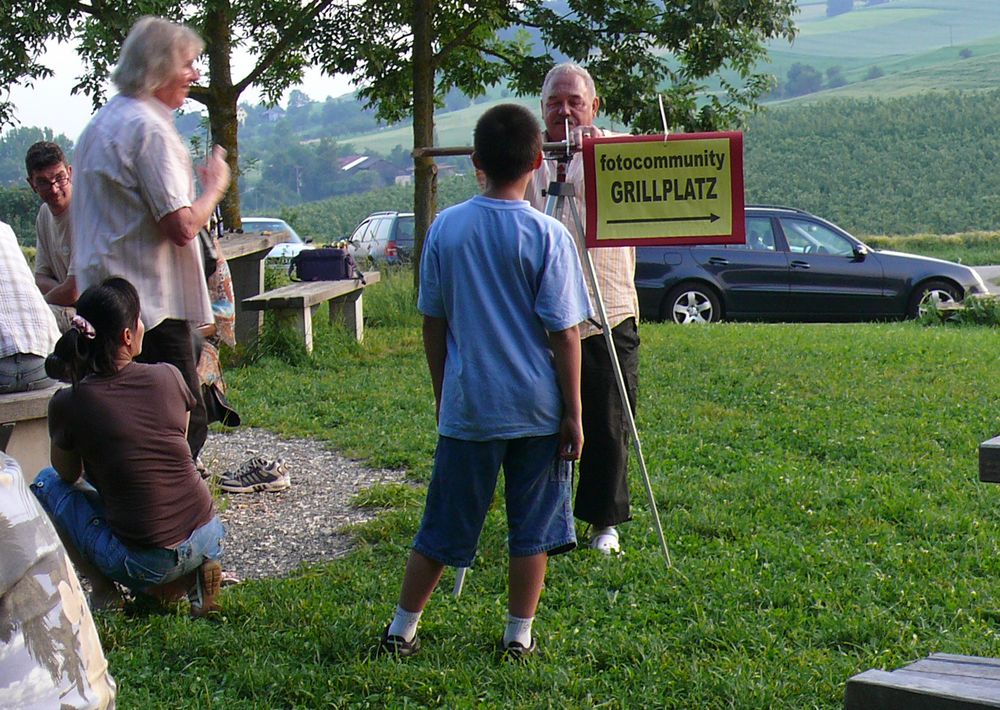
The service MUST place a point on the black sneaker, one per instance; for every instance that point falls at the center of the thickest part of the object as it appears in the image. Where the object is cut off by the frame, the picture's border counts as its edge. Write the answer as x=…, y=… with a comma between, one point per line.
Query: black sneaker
x=515, y=650
x=255, y=476
x=397, y=645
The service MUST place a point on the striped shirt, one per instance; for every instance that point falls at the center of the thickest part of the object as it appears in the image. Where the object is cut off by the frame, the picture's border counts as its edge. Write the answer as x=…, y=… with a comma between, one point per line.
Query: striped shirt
x=27, y=325
x=131, y=169
x=614, y=266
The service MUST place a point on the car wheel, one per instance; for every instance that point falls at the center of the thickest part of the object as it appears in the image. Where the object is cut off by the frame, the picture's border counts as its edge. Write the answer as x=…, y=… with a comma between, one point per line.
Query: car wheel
x=692, y=303
x=932, y=293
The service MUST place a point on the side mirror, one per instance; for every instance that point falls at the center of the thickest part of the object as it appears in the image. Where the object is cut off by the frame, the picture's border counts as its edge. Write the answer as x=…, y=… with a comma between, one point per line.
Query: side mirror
x=860, y=252
x=309, y=240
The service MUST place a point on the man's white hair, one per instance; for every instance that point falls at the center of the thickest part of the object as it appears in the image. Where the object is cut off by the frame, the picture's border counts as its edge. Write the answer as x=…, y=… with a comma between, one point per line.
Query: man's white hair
x=153, y=53
x=568, y=68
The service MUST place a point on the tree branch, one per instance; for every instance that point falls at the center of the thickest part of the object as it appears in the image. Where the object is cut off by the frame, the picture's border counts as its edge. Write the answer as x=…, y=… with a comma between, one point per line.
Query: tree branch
x=288, y=40
x=461, y=38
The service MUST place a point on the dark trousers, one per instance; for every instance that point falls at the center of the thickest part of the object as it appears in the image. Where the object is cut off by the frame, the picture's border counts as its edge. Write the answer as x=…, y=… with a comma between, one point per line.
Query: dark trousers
x=602, y=493
x=171, y=341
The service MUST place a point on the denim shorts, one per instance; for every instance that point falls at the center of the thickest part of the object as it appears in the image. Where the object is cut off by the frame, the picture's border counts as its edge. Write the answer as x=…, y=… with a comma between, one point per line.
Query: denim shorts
x=538, y=488
x=78, y=512
x=21, y=372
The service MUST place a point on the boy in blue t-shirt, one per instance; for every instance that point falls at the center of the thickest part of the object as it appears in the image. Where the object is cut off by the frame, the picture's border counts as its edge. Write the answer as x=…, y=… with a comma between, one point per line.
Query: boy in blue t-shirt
x=502, y=293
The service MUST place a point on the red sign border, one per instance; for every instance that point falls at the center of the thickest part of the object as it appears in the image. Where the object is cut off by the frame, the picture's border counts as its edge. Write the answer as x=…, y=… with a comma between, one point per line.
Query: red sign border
x=736, y=175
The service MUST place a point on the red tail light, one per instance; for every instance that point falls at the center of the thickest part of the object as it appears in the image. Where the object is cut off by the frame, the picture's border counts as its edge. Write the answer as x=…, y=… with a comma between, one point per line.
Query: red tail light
x=390, y=249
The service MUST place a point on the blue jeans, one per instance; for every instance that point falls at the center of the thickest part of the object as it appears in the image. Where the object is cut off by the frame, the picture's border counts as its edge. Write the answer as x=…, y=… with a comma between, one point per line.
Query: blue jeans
x=78, y=511
x=22, y=372
x=538, y=487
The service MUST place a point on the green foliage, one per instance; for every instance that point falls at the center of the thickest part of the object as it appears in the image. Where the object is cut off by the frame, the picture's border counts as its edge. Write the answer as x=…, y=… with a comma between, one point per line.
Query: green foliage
x=897, y=166
x=18, y=208
x=14, y=145
x=329, y=220
x=972, y=248
x=802, y=79
x=392, y=303
x=823, y=517
x=974, y=311
x=29, y=256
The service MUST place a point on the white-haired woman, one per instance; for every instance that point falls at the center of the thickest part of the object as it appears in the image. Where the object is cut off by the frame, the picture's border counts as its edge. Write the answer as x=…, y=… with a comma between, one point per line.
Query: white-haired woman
x=135, y=210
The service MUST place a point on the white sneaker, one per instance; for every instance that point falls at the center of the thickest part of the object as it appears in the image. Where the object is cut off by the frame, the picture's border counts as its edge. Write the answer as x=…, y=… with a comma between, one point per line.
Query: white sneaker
x=605, y=540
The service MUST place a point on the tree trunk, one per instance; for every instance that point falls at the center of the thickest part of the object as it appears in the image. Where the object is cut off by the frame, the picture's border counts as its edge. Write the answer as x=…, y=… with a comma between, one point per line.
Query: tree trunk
x=221, y=103
x=425, y=170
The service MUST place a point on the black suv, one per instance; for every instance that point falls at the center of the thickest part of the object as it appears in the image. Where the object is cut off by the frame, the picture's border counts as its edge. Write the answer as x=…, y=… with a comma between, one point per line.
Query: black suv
x=383, y=237
x=794, y=267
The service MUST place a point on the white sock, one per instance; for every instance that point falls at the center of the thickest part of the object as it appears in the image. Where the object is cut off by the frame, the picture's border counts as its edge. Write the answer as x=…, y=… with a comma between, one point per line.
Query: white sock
x=404, y=623
x=519, y=630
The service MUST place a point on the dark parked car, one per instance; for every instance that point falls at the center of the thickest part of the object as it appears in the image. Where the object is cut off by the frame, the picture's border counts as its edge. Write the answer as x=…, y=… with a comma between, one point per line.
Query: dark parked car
x=793, y=267
x=383, y=237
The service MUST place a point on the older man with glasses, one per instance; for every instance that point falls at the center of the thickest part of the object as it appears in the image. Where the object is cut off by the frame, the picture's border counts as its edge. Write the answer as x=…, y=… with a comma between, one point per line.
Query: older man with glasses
x=135, y=213
x=570, y=101
x=51, y=177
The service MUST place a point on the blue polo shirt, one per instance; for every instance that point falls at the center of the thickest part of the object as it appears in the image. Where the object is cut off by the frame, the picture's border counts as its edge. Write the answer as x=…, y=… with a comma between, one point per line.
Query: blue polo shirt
x=502, y=275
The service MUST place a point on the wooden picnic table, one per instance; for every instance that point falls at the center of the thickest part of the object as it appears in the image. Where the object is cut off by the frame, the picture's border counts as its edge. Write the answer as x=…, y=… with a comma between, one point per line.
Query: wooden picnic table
x=245, y=254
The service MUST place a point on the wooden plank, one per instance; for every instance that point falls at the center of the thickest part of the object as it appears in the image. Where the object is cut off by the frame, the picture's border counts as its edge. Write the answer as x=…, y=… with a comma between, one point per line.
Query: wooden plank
x=901, y=690
x=245, y=254
x=235, y=245
x=989, y=460
x=958, y=666
x=306, y=293
x=959, y=658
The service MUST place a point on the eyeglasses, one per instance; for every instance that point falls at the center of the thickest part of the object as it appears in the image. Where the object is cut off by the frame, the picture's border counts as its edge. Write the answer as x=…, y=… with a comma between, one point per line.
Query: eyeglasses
x=59, y=181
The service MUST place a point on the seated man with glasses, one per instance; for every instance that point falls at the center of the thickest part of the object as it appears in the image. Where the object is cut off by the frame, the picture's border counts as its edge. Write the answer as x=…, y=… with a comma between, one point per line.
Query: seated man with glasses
x=51, y=178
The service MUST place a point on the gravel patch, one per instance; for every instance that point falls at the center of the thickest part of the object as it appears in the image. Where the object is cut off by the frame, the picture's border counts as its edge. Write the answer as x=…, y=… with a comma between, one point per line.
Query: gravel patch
x=271, y=534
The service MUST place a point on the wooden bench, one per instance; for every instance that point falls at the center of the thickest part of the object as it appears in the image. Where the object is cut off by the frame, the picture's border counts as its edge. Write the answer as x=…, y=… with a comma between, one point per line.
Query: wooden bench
x=942, y=681
x=296, y=303
x=29, y=441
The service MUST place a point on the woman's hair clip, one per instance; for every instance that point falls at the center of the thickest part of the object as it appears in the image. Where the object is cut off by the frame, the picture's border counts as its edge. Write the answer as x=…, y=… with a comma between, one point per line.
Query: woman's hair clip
x=82, y=325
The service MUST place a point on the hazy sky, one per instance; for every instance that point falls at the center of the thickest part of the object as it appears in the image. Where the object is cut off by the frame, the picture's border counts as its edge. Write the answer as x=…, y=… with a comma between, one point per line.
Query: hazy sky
x=49, y=103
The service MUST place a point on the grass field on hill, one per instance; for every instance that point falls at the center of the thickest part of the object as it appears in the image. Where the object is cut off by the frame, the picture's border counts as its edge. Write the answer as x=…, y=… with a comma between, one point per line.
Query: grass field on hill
x=817, y=485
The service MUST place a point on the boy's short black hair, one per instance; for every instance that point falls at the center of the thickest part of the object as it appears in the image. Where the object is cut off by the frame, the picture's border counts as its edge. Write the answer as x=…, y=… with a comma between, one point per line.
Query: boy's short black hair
x=507, y=141
x=41, y=155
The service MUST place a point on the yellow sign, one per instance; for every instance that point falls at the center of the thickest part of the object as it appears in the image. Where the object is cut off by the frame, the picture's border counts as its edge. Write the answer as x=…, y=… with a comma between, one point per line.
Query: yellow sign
x=644, y=190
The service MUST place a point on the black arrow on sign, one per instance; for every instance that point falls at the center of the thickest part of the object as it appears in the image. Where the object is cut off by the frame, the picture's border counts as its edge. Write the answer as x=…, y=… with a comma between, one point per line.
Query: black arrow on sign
x=708, y=218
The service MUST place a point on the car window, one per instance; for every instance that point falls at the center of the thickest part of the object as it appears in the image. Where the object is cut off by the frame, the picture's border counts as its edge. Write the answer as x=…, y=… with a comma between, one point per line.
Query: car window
x=760, y=234
x=361, y=232
x=805, y=237
x=381, y=229
x=265, y=226
x=252, y=225
x=404, y=230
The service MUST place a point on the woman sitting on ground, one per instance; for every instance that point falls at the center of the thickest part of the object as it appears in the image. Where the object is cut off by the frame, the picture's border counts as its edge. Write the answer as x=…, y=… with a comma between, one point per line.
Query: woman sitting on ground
x=143, y=518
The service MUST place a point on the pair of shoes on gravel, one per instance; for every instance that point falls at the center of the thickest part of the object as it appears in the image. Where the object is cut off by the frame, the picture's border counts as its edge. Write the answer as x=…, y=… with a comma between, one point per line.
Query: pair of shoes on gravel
x=392, y=645
x=256, y=475
x=605, y=541
x=203, y=596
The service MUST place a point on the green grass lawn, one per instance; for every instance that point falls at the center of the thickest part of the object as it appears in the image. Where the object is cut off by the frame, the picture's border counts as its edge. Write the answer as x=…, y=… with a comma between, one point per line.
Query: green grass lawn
x=817, y=485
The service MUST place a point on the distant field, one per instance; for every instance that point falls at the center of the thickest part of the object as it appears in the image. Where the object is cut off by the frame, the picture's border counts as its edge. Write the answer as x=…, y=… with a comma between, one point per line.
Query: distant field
x=897, y=28
x=453, y=128
x=869, y=19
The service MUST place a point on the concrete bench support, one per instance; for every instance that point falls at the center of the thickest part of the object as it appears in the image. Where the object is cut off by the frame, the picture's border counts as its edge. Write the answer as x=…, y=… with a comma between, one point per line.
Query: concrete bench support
x=940, y=681
x=296, y=303
x=989, y=460
x=29, y=441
